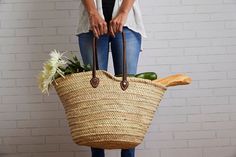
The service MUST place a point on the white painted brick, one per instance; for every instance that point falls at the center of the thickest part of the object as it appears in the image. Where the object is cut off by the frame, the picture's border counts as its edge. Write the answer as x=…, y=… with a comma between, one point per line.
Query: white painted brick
x=173, y=102
x=58, y=139
x=176, y=60
x=184, y=152
x=189, y=43
x=59, y=22
x=216, y=34
x=48, y=115
x=48, y=39
x=192, y=93
x=217, y=83
x=215, y=8
x=33, y=6
x=6, y=58
x=220, y=152
x=223, y=67
x=219, y=125
x=14, y=91
x=66, y=30
x=15, y=132
x=194, y=135
x=23, y=140
x=174, y=10
x=188, y=18
x=180, y=127
x=73, y=147
x=233, y=116
x=224, y=42
x=230, y=24
x=223, y=16
x=55, y=154
x=14, y=116
x=166, y=144
x=192, y=2
x=158, y=136
x=13, y=15
x=7, y=83
x=6, y=149
x=7, y=108
x=208, y=117
x=79, y=154
x=20, y=49
x=50, y=131
x=204, y=26
x=37, y=148
x=7, y=33
x=232, y=74
x=14, y=66
x=218, y=109
x=22, y=99
x=233, y=141
x=150, y=152
x=48, y=14
x=169, y=119
x=20, y=23
x=191, y=68
x=209, y=142
x=204, y=51
x=165, y=27
x=5, y=7
x=7, y=124
x=178, y=110
x=13, y=40
x=67, y=5
x=62, y=47
x=155, y=44
x=17, y=155
x=37, y=107
x=35, y=31
x=226, y=133
x=224, y=91
x=37, y=123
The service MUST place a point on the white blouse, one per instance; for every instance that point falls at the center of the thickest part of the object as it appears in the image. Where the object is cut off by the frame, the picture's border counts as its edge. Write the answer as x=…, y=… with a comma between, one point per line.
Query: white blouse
x=134, y=19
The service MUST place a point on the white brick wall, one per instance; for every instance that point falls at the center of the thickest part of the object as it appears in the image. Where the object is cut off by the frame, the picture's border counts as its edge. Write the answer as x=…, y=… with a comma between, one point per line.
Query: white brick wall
x=195, y=37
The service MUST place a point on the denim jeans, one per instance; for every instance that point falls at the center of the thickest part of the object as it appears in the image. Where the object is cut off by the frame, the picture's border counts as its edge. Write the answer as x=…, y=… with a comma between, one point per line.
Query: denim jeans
x=133, y=47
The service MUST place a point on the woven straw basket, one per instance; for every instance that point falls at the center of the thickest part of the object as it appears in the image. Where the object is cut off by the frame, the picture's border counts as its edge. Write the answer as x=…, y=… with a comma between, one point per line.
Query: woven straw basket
x=104, y=111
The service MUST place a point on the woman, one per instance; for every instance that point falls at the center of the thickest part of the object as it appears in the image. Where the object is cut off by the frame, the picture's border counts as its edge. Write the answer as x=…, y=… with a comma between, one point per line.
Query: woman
x=106, y=19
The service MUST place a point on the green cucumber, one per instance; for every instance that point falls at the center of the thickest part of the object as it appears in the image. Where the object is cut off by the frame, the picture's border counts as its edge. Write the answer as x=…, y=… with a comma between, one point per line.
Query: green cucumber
x=147, y=75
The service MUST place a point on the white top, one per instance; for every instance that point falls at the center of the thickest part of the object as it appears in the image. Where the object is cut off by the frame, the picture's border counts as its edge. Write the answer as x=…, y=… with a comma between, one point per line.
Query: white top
x=134, y=19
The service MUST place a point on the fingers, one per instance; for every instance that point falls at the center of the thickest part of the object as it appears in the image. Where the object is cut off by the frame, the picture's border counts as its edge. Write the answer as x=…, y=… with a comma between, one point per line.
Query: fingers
x=115, y=27
x=111, y=31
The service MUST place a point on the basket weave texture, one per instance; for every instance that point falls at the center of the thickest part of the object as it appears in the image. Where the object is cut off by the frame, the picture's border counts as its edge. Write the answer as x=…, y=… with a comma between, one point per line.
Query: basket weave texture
x=108, y=117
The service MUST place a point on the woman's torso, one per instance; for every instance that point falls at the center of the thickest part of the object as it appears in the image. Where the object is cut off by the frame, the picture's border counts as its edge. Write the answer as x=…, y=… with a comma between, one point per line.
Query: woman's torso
x=134, y=20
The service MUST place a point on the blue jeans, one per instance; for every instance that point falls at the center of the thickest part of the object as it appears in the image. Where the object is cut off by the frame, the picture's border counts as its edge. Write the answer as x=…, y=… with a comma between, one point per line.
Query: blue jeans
x=133, y=47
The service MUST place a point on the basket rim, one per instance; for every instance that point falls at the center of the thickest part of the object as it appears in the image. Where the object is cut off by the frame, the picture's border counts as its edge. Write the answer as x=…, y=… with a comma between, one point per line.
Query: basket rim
x=118, y=79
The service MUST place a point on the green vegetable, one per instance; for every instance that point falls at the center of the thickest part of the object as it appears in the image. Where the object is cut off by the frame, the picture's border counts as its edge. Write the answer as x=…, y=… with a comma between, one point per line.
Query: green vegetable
x=147, y=75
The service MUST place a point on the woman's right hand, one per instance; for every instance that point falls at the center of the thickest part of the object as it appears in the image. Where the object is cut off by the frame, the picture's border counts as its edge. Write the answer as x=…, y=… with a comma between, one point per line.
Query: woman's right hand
x=98, y=24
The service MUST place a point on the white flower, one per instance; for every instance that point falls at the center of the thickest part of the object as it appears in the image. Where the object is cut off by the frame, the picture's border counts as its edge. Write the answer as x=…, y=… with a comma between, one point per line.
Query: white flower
x=51, y=69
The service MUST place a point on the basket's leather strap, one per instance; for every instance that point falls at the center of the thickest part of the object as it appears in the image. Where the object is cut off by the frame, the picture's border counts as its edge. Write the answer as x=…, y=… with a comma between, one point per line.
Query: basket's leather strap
x=95, y=81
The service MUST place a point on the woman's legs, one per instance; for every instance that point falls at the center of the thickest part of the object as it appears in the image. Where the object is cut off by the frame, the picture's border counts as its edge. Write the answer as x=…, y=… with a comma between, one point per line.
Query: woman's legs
x=86, y=50
x=133, y=49
x=133, y=46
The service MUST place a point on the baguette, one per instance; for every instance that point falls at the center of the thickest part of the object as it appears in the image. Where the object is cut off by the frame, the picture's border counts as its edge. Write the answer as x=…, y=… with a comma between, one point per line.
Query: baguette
x=174, y=80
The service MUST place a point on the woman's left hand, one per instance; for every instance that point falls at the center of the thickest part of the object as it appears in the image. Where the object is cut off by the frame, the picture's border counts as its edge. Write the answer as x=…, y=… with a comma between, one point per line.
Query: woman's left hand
x=117, y=23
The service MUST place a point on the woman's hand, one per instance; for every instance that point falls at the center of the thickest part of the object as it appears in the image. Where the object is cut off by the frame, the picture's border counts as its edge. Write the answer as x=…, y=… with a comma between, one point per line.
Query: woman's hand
x=98, y=24
x=117, y=23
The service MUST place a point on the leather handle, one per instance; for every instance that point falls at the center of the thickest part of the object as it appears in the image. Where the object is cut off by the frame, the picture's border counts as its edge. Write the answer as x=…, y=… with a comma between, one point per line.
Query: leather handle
x=95, y=81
